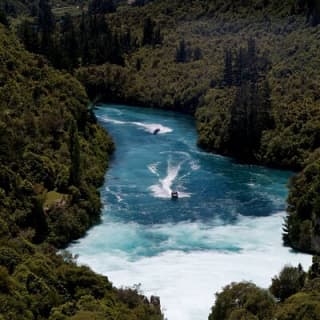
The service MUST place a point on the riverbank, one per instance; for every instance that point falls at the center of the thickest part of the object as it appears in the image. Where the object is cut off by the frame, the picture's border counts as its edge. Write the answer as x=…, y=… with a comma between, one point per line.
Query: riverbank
x=52, y=161
x=226, y=227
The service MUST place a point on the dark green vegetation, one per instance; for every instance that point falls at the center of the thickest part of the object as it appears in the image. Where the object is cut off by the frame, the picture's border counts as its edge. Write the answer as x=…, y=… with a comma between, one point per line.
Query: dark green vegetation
x=49, y=142
x=302, y=226
x=293, y=295
x=53, y=157
x=248, y=71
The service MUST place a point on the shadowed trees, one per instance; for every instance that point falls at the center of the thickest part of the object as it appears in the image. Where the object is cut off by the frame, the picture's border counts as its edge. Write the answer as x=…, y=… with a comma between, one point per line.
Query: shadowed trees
x=250, y=112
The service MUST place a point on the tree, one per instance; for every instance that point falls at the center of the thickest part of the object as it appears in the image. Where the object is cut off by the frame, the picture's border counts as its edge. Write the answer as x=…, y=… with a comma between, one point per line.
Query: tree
x=68, y=45
x=228, y=69
x=148, y=29
x=3, y=18
x=242, y=301
x=289, y=281
x=197, y=54
x=29, y=36
x=252, y=60
x=240, y=65
x=240, y=125
x=46, y=23
x=74, y=147
x=181, y=52
x=262, y=108
x=157, y=36
x=46, y=19
x=116, y=53
x=314, y=271
x=101, y=7
x=314, y=12
x=38, y=221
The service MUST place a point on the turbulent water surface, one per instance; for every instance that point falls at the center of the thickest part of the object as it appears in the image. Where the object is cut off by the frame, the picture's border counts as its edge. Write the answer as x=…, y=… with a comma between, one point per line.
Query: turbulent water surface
x=225, y=226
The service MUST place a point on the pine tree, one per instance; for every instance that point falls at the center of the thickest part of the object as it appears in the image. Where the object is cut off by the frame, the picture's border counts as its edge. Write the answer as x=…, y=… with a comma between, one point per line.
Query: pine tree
x=228, y=69
x=126, y=41
x=197, y=54
x=238, y=127
x=148, y=30
x=3, y=18
x=250, y=115
x=157, y=36
x=68, y=45
x=74, y=147
x=46, y=19
x=46, y=23
x=314, y=12
x=29, y=36
x=266, y=104
x=38, y=220
x=239, y=69
x=181, y=52
x=101, y=7
x=138, y=64
x=252, y=60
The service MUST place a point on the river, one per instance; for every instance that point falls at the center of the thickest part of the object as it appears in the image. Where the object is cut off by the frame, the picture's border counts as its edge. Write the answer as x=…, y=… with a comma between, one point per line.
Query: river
x=226, y=225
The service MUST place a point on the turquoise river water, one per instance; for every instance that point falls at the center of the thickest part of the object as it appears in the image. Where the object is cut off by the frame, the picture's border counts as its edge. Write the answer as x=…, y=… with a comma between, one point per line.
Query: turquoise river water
x=226, y=225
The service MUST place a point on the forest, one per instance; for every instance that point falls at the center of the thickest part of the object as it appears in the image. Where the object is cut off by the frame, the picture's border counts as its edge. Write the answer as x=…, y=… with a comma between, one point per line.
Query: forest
x=53, y=158
x=248, y=72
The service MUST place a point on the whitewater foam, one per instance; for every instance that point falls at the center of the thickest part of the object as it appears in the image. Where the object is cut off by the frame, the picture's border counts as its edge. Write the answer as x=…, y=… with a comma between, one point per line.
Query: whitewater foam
x=151, y=127
x=107, y=119
x=186, y=280
x=153, y=168
x=163, y=189
x=148, y=127
x=195, y=166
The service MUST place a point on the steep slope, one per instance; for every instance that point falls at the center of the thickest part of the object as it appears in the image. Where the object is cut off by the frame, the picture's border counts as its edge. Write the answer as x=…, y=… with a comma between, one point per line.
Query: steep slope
x=53, y=154
x=52, y=160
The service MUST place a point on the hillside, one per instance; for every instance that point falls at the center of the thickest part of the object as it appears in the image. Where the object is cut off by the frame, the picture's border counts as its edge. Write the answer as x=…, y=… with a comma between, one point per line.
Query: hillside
x=53, y=158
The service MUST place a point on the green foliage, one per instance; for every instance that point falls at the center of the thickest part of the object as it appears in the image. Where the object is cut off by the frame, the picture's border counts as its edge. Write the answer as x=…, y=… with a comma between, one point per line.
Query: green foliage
x=300, y=306
x=53, y=158
x=101, y=6
x=181, y=52
x=75, y=171
x=151, y=33
x=314, y=271
x=243, y=301
x=302, y=228
x=296, y=293
x=46, y=154
x=254, y=99
x=289, y=282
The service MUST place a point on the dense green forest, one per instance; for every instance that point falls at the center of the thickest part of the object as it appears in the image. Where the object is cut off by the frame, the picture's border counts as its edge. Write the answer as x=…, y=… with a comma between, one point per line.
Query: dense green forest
x=53, y=157
x=247, y=70
x=293, y=295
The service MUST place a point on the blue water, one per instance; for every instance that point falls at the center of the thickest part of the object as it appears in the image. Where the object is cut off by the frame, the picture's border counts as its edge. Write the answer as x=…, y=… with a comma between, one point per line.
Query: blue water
x=225, y=226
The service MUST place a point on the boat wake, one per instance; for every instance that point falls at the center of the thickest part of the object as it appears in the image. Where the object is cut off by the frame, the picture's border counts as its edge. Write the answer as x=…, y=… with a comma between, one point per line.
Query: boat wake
x=153, y=168
x=151, y=127
x=163, y=188
x=148, y=127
